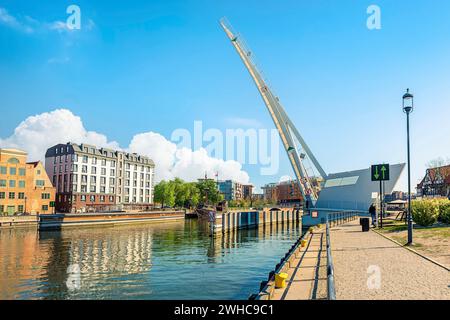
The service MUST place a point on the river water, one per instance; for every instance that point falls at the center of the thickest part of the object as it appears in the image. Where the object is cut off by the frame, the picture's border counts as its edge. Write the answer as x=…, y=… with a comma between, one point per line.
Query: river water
x=176, y=260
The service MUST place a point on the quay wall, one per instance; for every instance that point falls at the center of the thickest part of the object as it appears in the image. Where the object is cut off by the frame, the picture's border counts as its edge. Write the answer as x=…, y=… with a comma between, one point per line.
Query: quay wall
x=235, y=220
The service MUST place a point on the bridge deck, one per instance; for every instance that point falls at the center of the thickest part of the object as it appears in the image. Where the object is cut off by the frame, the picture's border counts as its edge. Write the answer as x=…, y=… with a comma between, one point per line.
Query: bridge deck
x=357, y=257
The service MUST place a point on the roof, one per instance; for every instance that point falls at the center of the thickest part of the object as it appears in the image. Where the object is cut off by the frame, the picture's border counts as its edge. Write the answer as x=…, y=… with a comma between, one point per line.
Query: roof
x=432, y=172
x=398, y=202
x=15, y=151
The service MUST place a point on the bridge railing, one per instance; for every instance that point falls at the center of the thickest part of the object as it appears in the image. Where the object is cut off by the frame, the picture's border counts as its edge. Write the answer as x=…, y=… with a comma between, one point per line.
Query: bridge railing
x=334, y=219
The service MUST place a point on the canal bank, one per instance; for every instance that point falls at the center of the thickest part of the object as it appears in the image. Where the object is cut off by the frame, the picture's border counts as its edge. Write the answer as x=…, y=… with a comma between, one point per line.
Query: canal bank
x=173, y=260
x=61, y=221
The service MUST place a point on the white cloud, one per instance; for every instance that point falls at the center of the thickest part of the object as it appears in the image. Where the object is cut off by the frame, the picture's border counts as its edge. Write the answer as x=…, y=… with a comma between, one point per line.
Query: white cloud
x=28, y=24
x=37, y=133
x=12, y=22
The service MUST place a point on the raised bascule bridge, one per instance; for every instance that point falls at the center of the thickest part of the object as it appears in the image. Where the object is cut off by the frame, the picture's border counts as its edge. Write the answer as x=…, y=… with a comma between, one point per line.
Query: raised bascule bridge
x=322, y=192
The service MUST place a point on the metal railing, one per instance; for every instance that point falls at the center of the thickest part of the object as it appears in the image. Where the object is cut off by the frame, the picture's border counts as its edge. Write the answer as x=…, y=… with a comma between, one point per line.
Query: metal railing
x=334, y=219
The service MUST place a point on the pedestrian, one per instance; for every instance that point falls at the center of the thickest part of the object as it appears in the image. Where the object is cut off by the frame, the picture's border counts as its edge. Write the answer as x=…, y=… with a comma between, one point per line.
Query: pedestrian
x=373, y=214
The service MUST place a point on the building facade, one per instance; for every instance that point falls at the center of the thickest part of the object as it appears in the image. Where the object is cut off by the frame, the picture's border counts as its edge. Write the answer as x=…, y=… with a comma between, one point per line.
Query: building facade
x=436, y=183
x=90, y=179
x=231, y=190
x=247, y=191
x=24, y=186
x=288, y=193
x=270, y=192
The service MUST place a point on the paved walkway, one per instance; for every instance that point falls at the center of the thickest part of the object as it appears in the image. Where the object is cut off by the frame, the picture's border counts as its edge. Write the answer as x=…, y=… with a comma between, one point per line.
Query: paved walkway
x=307, y=272
x=358, y=257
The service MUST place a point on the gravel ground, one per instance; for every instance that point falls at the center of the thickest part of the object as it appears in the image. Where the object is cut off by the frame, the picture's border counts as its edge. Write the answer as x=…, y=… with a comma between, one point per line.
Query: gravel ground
x=359, y=257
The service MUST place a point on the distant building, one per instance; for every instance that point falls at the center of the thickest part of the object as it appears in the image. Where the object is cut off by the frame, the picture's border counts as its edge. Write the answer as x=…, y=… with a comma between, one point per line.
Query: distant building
x=247, y=191
x=270, y=192
x=436, y=183
x=288, y=193
x=89, y=179
x=24, y=186
x=231, y=190
x=396, y=195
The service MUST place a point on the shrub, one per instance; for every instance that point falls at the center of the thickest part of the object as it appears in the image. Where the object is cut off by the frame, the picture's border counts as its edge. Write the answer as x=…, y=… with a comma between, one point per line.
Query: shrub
x=444, y=212
x=425, y=213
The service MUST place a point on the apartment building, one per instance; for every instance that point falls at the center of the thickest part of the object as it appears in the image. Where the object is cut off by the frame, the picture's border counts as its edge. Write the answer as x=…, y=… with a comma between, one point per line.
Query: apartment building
x=247, y=191
x=24, y=186
x=91, y=179
x=231, y=190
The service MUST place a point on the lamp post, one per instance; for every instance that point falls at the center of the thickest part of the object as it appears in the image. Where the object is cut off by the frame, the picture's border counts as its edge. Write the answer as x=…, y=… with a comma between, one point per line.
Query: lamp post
x=408, y=107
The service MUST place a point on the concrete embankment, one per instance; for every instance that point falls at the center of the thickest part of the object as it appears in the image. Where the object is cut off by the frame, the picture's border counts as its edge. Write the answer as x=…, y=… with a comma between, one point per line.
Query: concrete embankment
x=235, y=220
x=18, y=221
x=59, y=221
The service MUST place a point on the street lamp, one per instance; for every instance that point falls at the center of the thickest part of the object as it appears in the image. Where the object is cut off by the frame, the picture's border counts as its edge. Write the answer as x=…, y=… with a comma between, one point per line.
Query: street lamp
x=408, y=107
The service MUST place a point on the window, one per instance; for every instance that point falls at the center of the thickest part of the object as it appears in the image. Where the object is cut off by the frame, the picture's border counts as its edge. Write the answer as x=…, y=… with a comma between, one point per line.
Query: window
x=11, y=196
x=2, y=196
x=113, y=172
x=12, y=183
x=85, y=159
x=2, y=208
x=21, y=184
x=102, y=180
x=13, y=161
x=74, y=168
x=93, y=179
x=111, y=199
x=12, y=171
x=38, y=172
x=2, y=170
x=102, y=189
x=103, y=171
x=92, y=198
x=40, y=183
x=83, y=188
x=22, y=172
x=20, y=209
x=2, y=183
x=102, y=198
x=94, y=160
x=94, y=170
x=93, y=189
x=74, y=158
x=84, y=169
x=45, y=207
x=46, y=196
x=104, y=162
x=83, y=198
x=21, y=195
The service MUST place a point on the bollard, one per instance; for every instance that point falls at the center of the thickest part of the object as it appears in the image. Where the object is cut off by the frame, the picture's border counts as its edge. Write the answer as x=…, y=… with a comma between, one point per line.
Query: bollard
x=280, y=280
x=303, y=244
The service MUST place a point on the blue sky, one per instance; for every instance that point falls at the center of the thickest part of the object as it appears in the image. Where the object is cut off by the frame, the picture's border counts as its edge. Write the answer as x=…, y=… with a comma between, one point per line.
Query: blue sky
x=138, y=66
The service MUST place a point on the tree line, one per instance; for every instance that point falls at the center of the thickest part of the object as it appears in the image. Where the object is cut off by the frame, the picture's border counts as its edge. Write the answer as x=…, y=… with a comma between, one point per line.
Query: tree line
x=181, y=194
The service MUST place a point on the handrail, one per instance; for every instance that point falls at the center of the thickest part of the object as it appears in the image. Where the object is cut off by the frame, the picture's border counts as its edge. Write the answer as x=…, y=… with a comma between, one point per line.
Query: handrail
x=330, y=268
x=336, y=218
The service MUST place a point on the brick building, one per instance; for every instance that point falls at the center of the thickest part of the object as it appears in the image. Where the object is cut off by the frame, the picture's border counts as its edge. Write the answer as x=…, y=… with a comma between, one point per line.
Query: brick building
x=24, y=186
x=436, y=183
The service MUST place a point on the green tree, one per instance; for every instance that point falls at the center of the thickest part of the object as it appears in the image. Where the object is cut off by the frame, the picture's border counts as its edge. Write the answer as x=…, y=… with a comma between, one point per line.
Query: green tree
x=209, y=193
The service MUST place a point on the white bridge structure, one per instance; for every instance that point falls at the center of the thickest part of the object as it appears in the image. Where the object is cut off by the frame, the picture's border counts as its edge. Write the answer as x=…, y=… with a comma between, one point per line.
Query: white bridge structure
x=323, y=192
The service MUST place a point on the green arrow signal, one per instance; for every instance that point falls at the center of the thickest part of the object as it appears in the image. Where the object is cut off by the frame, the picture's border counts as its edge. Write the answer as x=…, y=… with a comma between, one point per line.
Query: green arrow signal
x=383, y=172
x=376, y=175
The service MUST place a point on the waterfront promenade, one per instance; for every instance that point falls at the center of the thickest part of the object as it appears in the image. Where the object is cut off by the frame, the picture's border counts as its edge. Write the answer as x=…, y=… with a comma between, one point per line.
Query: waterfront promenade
x=404, y=275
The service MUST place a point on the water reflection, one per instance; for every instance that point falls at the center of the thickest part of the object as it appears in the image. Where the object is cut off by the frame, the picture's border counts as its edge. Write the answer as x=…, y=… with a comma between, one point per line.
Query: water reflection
x=176, y=260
